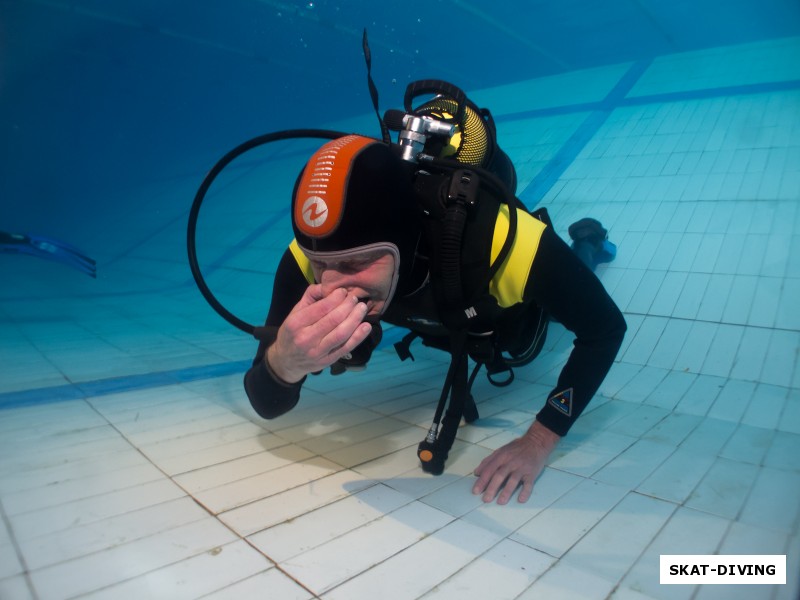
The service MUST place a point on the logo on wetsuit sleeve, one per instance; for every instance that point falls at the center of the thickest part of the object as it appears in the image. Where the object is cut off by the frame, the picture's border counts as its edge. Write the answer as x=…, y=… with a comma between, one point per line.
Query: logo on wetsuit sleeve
x=562, y=402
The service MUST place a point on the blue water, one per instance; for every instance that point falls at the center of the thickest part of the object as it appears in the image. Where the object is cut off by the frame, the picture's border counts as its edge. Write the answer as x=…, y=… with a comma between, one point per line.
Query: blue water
x=101, y=96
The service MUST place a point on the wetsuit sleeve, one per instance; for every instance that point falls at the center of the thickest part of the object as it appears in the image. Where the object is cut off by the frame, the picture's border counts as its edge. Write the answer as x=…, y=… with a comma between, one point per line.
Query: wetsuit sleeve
x=269, y=395
x=571, y=293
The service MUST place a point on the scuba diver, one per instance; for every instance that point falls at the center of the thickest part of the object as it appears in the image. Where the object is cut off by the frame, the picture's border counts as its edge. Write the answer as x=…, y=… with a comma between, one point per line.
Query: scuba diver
x=373, y=243
x=426, y=234
x=48, y=249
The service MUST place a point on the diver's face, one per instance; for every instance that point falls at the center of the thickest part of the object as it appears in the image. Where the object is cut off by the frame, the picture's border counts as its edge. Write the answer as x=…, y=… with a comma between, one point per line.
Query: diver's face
x=368, y=277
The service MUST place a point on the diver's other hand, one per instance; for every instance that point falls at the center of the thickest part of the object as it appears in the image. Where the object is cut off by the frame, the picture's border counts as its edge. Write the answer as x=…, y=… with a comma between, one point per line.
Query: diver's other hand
x=319, y=330
x=518, y=462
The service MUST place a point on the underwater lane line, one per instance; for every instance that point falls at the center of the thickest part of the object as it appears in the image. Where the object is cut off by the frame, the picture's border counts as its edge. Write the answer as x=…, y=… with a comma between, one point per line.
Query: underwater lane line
x=127, y=383
x=600, y=111
x=114, y=385
x=745, y=89
x=566, y=155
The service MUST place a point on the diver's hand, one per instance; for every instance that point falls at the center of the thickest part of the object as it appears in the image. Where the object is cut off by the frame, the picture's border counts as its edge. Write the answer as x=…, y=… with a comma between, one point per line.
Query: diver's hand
x=319, y=330
x=518, y=462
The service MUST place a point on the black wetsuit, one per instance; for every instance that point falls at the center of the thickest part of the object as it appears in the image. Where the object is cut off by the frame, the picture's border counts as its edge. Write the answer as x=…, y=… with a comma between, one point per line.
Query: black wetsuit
x=555, y=279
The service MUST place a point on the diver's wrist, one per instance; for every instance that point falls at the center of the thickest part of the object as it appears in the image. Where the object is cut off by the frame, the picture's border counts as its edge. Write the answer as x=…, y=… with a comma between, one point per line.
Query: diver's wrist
x=276, y=367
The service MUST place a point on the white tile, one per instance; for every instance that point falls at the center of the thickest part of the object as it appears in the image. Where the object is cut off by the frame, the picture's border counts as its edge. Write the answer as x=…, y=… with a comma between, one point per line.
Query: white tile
x=772, y=503
x=733, y=400
x=587, y=457
x=766, y=406
x=351, y=436
x=625, y=593
x=613, y=546
x=640, y=420
x=673, y=429
x=503, y=572
x=201, y=441
x=687, y=532
x=288, y=505
x=792, y=566
x=456, y=498
x=790, y=420
x=238, y=493
x=568, y=581
x=356, y=551
x=715, y=298
x=95, y=508
x=95, y=466
x=81, y=488
x=724, y=488
x=691, y=296
x=448, y=550
x=632, y=466
x=722, y=352
x=671, y=390
x=193, y=577
x=645, y=293
x=99, y=570
x=740, y=299
x=103, y=535
x=765, y=302
x=779, y=364
x=601, y=413
x=668, y=294
x=709, y=436
x=784, y=451
x=16, y=588
x=695, y=348
x=363, y=452
x=787, y=316
x=9, y=557
x=702, y=395
x=397, y=463
x=192, y=460
x=741, y=539
x=748, y=444
x=677, y=476
x=751, y=355
x=556, y=529
x=278, y=584
x=214, y=418
x=314, y=528
x=241, y=468
x=328, y=424
x=663, y=256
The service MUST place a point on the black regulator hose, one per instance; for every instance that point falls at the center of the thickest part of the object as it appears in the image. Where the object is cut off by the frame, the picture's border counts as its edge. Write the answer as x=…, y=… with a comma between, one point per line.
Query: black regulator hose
x=191, y=229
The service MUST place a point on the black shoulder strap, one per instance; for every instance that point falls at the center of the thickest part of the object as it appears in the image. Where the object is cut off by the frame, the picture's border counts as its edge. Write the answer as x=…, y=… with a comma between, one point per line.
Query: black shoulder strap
x=448, y=202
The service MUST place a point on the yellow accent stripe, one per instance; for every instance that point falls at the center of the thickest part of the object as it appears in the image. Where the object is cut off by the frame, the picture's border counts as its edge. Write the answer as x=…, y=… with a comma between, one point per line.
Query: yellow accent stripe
x=302, y=261
x=508, y=284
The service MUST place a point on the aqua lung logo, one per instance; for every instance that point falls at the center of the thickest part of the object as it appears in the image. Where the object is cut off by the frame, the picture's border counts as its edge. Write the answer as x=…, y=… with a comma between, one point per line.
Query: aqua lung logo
x=315, y=212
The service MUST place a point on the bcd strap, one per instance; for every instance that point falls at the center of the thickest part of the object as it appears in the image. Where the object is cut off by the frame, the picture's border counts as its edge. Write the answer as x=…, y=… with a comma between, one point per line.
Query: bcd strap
x=448, y=207
x=403, y=347
x=435, y=448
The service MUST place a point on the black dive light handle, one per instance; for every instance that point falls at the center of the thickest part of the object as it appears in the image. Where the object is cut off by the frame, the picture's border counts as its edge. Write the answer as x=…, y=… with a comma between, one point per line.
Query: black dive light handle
x=191, y=230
